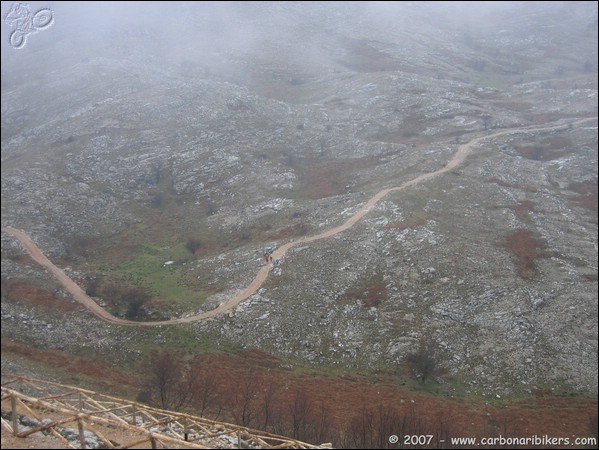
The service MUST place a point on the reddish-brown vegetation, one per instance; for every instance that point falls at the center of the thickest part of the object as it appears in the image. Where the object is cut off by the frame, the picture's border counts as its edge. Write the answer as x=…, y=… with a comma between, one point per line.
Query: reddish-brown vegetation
x=329, y=177
x=413, y=222
x=588, y=194
x=500, y=182
x=21, y=291
x=22, y=259
x=109, y=378
x=546, y=149
x=526, y=249
x=360, y=55
x=360, y=411
x=522, y=208
x=543, y=118
x=370, y=291
x=300, y=229
x=591, y=276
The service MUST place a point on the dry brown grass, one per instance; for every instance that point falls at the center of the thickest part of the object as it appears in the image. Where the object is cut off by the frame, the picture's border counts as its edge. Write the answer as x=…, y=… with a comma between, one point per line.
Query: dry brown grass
x=362, y=56
x=104, y=375
x=540, y=119
x=522, y=208
x=371, y=291
x=345, y=399
x=300, y=229
x=546, y=149
x=588, y=194
x=526, y=249
x=321, y=179
x=500, y=182
x=415, y=221
x=23, y=292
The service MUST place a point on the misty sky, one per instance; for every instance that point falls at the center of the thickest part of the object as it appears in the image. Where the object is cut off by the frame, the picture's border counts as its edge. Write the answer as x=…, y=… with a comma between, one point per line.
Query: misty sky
x=191, y=27
x=300, y=34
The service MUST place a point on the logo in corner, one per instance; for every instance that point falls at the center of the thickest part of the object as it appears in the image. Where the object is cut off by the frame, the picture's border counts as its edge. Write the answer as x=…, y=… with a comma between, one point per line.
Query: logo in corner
x=23, y=23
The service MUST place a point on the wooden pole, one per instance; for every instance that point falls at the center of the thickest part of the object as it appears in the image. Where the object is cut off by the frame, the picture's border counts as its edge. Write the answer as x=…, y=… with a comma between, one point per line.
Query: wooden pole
x=81, y=432
x=15, y=417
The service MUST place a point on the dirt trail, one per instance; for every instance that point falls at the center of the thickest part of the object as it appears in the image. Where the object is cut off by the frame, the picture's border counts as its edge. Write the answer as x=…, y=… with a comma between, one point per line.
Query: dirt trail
x=86, y=301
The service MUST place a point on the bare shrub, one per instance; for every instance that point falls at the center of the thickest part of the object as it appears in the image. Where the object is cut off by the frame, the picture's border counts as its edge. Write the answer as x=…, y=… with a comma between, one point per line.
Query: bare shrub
x=193, y=245
x=423, y=362
x=167, y=383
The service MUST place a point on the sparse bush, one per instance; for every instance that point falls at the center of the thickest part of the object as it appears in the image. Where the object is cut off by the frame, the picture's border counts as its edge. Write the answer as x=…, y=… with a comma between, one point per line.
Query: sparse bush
x=193, y=245
x=370, y=291
x=158, y=200
x=245, y=234
x=93, y=287
x=135, y=299
x=487, y=121
x=478, y=65
x=80, y=246
x=127, y=301
x=423, y=362
x=211, y=209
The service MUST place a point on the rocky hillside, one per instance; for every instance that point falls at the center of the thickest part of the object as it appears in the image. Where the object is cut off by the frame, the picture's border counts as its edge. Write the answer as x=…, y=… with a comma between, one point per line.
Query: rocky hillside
x=161, y=153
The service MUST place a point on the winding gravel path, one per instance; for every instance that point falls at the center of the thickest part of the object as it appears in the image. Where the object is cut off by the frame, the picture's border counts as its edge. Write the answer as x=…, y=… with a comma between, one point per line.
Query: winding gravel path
x=90, y=304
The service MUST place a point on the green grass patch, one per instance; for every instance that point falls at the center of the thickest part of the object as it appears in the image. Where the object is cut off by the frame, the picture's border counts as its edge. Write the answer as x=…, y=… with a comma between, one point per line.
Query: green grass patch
x=165, y=273
x=183, y=338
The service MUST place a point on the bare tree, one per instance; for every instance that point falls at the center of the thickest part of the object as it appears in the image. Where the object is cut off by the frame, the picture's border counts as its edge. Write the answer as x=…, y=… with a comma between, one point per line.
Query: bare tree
x=372, y=428
x=301, y=410
x=244, y=408
x=269, y=401
x=487, y=121
x=205, y=394
x=388, y=418
x=193, y=245
x=360, y=432
x=322, y=427
x=423, y=362
x=167, y=384
x=135, y=299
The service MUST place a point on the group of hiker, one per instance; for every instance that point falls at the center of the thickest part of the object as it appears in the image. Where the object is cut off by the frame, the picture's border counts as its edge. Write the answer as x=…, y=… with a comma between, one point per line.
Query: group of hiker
x=268, y=259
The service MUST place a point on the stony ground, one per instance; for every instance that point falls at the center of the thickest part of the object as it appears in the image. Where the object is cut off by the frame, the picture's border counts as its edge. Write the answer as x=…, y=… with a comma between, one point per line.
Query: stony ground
x=242, y=148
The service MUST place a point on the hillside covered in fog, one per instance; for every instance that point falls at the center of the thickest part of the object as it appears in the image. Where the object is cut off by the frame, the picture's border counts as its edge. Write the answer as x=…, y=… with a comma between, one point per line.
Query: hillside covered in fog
x=156, y=151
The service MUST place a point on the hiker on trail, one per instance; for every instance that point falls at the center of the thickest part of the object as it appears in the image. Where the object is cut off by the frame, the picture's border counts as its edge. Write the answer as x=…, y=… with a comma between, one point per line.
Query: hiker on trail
x=270, y=256
x=266, y=258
